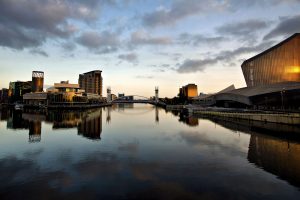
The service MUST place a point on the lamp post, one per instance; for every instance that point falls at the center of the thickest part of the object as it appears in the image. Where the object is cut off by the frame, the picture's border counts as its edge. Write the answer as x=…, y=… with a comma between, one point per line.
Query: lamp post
x=282, y=93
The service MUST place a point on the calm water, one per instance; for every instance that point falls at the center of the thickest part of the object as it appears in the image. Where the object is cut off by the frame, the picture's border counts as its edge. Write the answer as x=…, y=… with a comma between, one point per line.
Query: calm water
x=141, y=152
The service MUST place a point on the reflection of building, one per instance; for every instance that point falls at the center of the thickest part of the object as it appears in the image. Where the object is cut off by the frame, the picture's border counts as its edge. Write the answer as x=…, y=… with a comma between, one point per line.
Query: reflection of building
x=91, y=82
x=277, y=156
x=35, y=131
x=280, y=63
x=15, y=120
x=4, y=114
x=189, y=91
x=91, y=125
x=156, y=114
x=273, y=147
x=189, y=120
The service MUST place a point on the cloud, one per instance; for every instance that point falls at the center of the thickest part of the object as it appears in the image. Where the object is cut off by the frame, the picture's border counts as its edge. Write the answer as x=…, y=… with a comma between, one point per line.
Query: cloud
x=179, y=10
x=233, y=5
x=244, y=30
x=29, y=23
x=194, y=65
x=130, y=57
x=286, y=26
x=39, y=52
x=144, y=77
x=143, y=38
x=68, y=46
x=196, y=39
x=104, y=42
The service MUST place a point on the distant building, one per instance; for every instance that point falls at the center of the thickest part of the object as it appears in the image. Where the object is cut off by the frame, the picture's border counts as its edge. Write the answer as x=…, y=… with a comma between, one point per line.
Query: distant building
x=113, y=97
x=91, y=82
x=121, y=95
x=4, y=95
x=17, y=89
x=280, y=63
x=64, y=92
x=37, y=81
x=65, y=86
x=188, y=91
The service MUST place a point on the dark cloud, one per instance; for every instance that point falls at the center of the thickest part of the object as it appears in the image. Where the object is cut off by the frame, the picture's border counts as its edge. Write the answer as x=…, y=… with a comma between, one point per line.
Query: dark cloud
x=104, y=42
x=179, y=10
x=68, y=46
x=196, y=39
x=286, y=26
x=130, y=57
x=234, y=5
x=243, y=28
x=39, y=52
x=227, y=57
x=29, y=23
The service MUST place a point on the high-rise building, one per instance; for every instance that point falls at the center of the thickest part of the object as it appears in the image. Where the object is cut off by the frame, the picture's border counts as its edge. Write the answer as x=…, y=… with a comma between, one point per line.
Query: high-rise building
x=280, y=63
x=91, y=82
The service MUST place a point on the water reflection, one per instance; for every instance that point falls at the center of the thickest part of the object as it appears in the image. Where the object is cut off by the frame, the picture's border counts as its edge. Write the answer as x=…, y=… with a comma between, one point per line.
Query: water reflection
x=189, y=120
x=272, y=147
x=91, y=125
x=277, y=156
x=181, y=157
x=88, y=123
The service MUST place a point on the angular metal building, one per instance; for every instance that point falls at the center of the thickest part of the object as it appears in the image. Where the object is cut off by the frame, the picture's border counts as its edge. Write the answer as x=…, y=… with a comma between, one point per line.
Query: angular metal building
x=280, y=63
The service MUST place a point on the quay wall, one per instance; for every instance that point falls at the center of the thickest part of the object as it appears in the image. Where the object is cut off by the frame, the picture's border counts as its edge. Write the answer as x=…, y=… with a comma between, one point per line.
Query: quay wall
x=284, y=118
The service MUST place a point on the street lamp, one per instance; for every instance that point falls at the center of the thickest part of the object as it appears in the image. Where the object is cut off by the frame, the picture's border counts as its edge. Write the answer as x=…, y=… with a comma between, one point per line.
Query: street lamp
x=282, y=93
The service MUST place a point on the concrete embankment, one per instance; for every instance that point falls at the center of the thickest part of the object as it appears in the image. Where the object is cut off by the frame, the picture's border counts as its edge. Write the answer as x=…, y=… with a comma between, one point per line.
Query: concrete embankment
x=282, y=118
x=69, y=106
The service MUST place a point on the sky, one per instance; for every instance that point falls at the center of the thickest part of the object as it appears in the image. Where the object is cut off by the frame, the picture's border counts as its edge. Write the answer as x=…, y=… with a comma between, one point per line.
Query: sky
x=140, y=44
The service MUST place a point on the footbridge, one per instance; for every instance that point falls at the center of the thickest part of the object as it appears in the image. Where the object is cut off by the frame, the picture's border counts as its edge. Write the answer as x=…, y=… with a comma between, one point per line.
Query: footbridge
x=135, y=99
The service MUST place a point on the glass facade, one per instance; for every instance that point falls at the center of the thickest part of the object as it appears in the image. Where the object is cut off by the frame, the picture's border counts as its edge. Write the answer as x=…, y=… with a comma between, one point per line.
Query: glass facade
x=280, y=63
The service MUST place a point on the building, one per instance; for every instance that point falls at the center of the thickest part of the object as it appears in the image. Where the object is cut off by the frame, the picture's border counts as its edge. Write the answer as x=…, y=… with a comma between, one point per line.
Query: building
x=91, y=82
x=17, y=89
x=4, y=95
x=188, y=91
x=280, y=63
x=35, y=99
x=37, y=81
x=65, y=92
x=272, y=78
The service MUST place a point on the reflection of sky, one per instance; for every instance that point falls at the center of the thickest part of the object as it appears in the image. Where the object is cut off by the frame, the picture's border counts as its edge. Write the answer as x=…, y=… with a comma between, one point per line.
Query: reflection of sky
x=136, y=156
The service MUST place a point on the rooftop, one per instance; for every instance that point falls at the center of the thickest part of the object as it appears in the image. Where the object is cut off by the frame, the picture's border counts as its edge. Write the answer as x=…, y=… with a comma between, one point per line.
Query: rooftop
x=273, y=47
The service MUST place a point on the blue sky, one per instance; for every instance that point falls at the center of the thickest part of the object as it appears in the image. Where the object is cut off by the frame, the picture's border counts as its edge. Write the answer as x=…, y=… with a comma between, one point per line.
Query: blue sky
x=140, y=44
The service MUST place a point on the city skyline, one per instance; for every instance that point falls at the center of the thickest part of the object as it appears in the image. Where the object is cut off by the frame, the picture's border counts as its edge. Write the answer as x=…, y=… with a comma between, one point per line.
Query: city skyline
x=140, y=44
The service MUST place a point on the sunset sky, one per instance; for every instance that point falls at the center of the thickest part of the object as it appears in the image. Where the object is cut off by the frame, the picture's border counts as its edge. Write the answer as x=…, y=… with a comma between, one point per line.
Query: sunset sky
x=140, y=44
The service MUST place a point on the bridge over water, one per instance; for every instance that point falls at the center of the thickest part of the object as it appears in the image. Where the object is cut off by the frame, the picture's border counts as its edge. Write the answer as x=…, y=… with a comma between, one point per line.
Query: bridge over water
x=138, y=99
